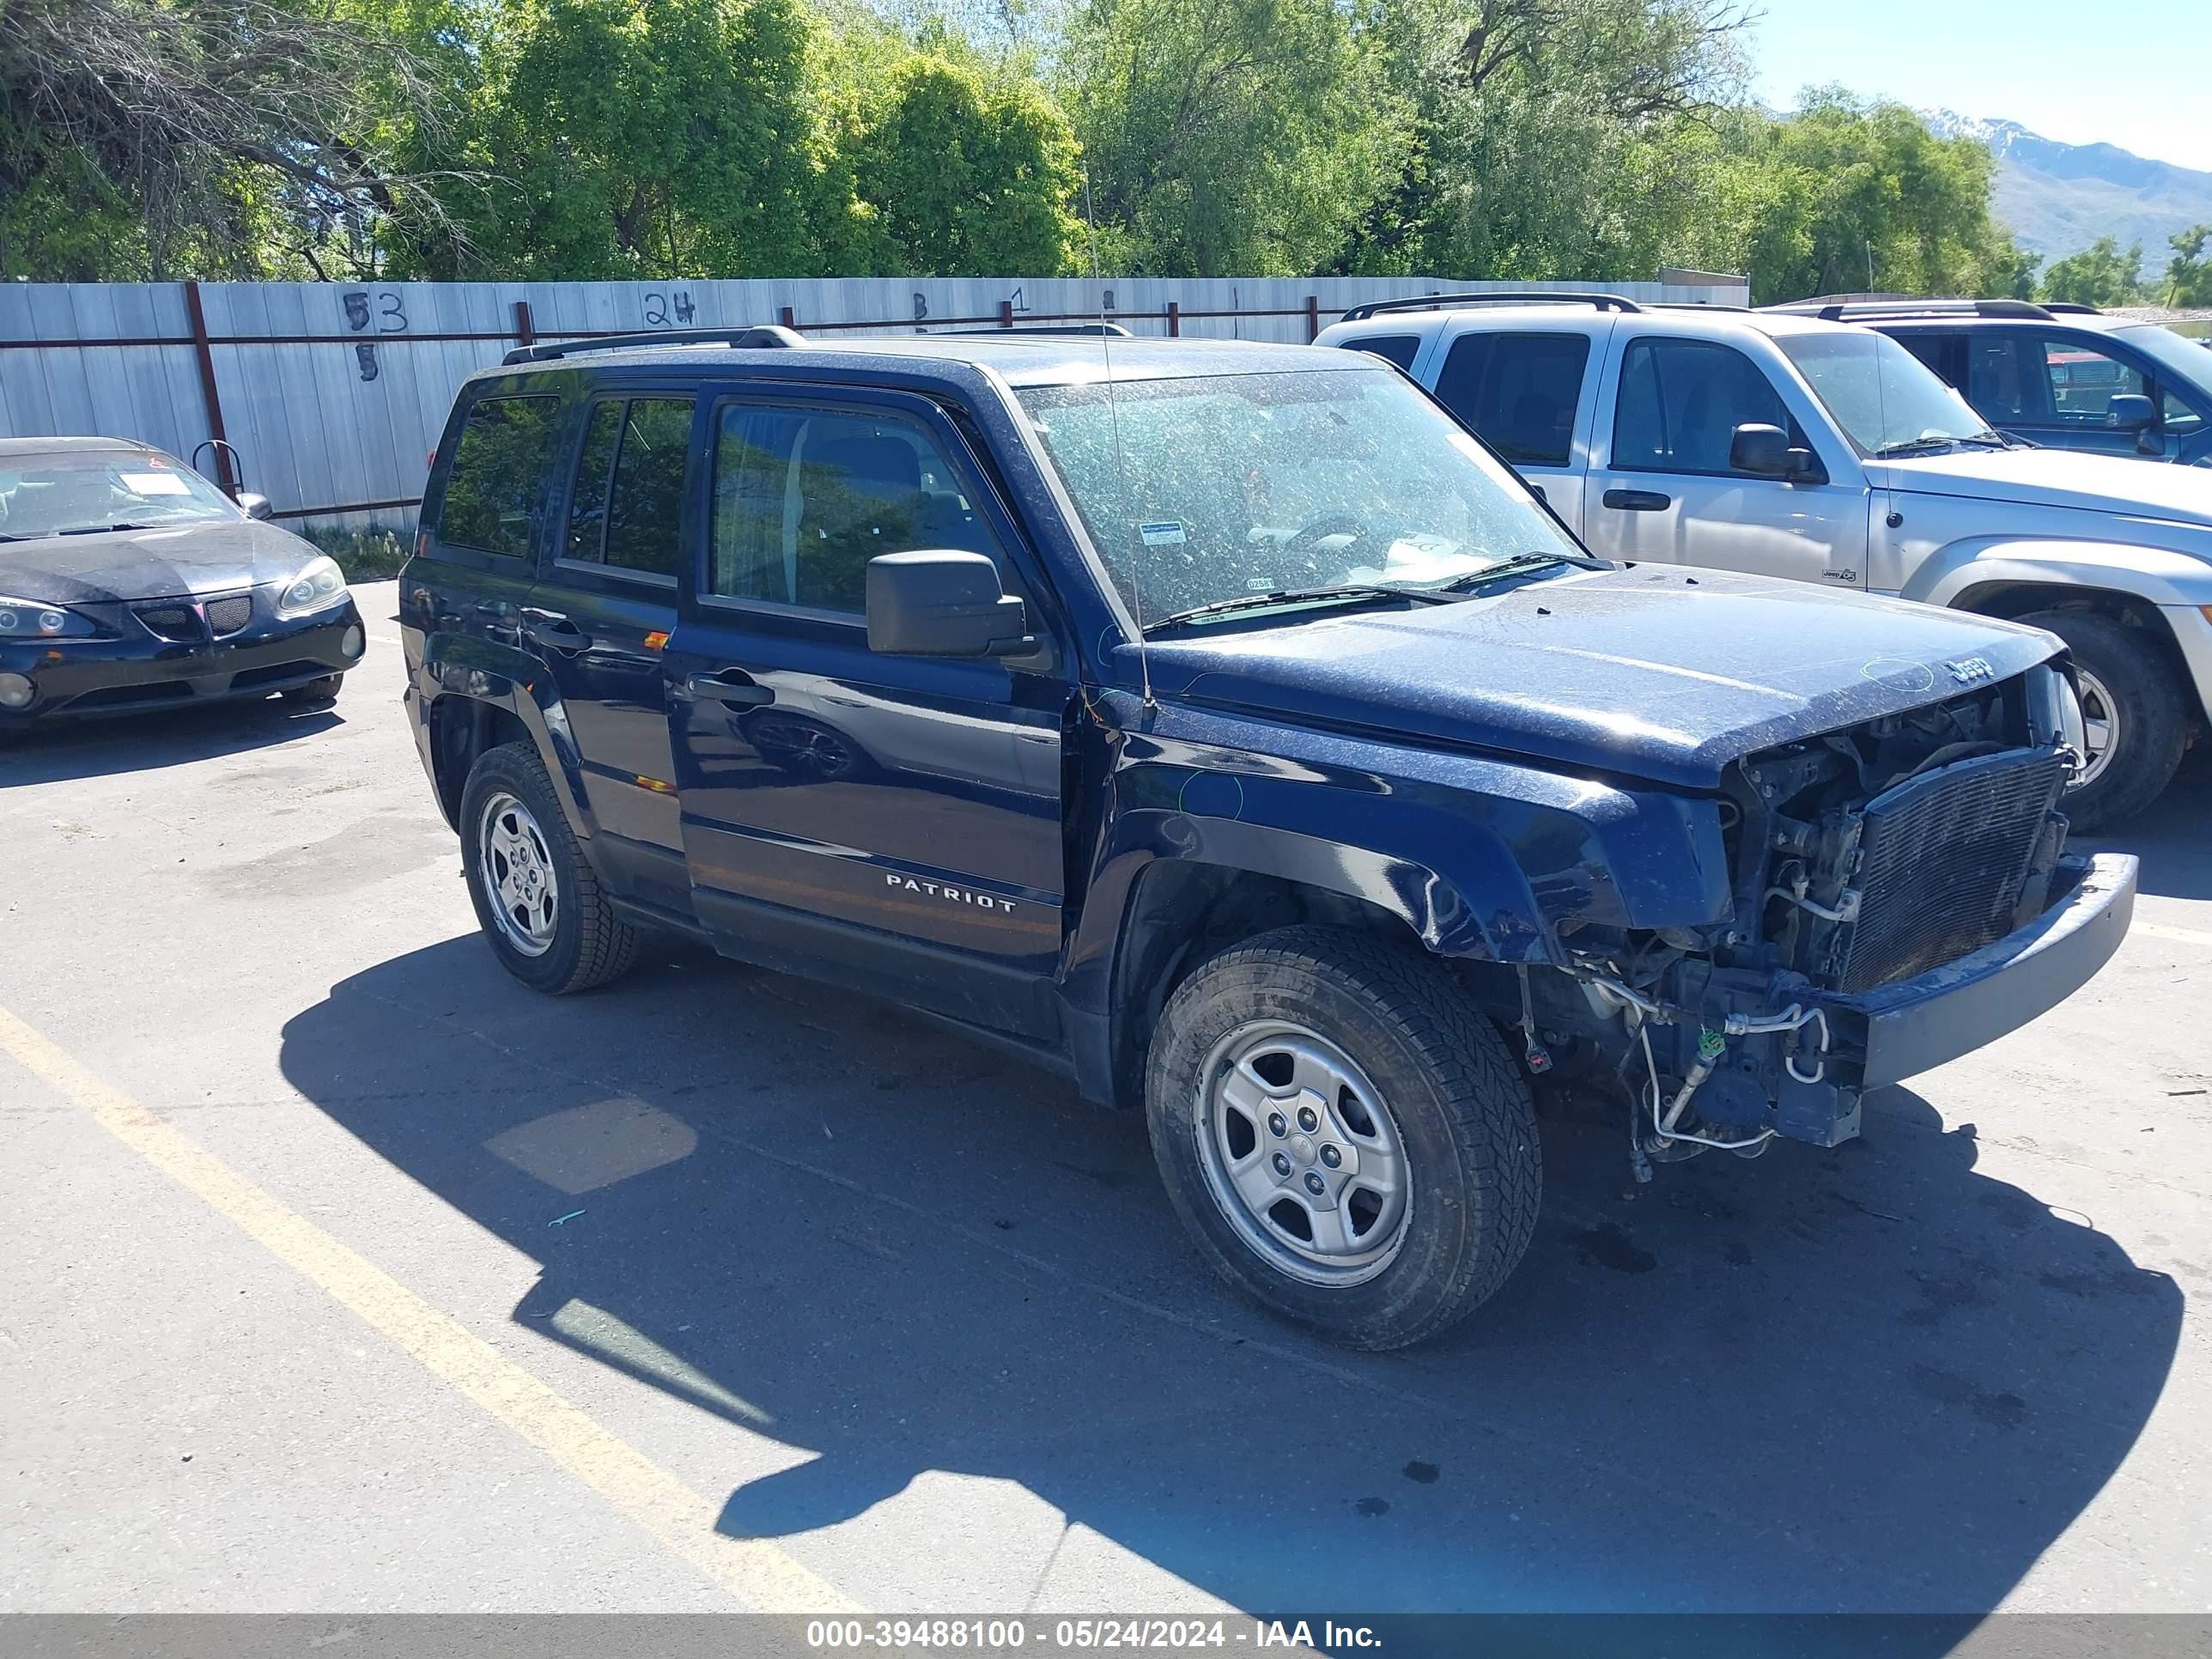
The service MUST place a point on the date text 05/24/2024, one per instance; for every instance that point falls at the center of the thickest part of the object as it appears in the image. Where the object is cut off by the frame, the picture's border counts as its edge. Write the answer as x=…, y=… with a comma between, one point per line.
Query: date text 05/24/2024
x=1011, y=1634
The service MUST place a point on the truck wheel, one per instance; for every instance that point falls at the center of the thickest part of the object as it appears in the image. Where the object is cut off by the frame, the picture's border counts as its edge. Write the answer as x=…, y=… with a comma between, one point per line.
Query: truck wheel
x=1343, y=1134
x=2137, y=717
x=536, y=899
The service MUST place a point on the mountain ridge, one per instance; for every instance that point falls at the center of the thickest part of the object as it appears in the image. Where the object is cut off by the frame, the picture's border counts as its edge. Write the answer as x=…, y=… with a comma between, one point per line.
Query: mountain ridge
x=2057, y=198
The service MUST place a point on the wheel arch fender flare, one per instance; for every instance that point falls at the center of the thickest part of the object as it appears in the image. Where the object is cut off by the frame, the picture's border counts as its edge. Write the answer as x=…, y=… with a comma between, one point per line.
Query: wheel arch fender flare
x=465, y=672
x=2156, y=576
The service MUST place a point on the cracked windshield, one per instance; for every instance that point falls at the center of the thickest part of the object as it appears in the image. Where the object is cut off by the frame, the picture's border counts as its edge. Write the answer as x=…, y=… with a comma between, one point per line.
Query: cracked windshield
x=1218, y=487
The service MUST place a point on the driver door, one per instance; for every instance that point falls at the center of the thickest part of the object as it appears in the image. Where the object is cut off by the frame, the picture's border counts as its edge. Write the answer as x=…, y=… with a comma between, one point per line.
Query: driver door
x=1664, y=488
x=891, y=823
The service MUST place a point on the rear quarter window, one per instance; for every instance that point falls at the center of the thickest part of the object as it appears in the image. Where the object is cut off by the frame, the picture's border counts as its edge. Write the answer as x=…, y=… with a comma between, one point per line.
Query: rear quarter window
x=495, y=487
x=1399, y=349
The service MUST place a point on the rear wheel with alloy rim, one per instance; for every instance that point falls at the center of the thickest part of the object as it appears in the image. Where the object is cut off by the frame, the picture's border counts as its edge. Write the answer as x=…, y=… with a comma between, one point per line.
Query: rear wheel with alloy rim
x=1345, y=1137
x=536, y=899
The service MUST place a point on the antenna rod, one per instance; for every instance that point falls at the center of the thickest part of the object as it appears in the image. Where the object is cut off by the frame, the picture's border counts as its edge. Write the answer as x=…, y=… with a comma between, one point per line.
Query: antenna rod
x=1121, y=464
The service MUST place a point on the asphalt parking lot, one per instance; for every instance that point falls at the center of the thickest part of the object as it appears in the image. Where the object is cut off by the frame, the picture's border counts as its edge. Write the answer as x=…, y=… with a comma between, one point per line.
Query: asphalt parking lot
x=341, y=1273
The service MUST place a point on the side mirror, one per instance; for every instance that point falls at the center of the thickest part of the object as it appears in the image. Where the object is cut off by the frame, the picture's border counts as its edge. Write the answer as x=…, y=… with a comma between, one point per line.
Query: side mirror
x=2130, y=411
x=1764, y=451
x=943, y=603
x=254, y=505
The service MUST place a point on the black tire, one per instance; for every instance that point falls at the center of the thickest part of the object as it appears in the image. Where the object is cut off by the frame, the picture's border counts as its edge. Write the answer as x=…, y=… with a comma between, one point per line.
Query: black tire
x=2153, y=713
x=591, y=945
x=1462, y=1114
x=322, y=690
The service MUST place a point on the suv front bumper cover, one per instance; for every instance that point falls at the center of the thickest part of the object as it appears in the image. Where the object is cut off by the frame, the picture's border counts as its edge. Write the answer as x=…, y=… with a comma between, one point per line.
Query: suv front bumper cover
x=1913, y=1025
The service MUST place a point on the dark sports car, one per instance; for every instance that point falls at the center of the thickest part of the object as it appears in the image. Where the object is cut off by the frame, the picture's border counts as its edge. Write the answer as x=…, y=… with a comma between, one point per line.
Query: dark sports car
x=128, y=581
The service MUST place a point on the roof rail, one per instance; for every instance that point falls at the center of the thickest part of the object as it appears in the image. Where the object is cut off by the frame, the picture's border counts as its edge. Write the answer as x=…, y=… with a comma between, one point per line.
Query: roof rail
x=2071, y=308
x=1853, y=311
x=760, y=336
x=1093, y=330
x=1458, y=301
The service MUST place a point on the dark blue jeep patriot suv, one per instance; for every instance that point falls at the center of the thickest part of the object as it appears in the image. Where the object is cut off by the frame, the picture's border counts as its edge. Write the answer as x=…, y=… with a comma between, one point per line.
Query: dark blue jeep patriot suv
x=1224, y=727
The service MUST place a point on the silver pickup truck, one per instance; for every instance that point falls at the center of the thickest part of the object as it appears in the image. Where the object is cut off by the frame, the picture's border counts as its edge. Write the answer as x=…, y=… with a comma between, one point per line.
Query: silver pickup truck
x=1822, y=452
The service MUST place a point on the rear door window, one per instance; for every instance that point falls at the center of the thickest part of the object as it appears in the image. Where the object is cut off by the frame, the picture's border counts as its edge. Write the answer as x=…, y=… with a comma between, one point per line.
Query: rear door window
x=2005, y=379
x=1940, y=352
x=1680, y=401
x=1518, y=391
x=626, y=509
x=495, y=486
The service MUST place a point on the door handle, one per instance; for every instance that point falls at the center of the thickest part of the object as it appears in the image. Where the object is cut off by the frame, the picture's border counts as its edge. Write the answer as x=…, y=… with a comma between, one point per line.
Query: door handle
x=1637, y=501
x=554, y=630
x=732, y=685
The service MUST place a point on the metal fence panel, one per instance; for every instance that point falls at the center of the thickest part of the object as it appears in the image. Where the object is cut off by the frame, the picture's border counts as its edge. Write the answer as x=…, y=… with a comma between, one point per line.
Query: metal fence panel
x=334, y=394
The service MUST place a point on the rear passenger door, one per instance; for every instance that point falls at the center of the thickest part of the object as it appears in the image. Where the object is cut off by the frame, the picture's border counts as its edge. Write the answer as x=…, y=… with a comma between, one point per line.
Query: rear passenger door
x=485, y=534
x=892, y=822
x=604, y=608
x=1664, y=489
x=1532, y=397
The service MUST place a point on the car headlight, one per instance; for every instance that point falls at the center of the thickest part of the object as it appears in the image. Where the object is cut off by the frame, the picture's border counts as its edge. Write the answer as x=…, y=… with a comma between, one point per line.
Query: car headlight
x=34, y=619
x=320, y=583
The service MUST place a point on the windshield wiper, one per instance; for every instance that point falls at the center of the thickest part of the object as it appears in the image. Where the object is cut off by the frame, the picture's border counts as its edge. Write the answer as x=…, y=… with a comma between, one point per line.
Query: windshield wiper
x=1914, y=446
x=102, y=529
x=1518, y=565
x=1348, y=592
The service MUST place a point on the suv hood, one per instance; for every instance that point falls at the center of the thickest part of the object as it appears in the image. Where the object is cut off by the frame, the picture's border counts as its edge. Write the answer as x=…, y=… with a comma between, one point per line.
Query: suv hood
x=1651, y=670
x=151, y=564
x=2056, y=478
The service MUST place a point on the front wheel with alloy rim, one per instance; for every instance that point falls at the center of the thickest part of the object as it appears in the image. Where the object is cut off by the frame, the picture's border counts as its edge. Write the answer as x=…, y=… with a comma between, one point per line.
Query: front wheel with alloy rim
x=536, y=899
x=2135, y=715
x=1345, y=1136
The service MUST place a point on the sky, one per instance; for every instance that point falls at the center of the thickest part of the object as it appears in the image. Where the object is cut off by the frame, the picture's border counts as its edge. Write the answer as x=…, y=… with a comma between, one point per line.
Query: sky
x=2137, y=74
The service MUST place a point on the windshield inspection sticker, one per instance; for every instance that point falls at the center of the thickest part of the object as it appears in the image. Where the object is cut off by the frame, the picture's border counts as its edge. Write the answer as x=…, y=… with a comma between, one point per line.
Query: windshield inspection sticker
x=1169, y=534
x=155, y=483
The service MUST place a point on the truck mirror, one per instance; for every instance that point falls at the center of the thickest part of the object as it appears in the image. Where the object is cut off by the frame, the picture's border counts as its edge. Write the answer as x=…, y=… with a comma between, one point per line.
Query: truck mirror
x=942, y=603
x=2130, y=411
x=1760, y=449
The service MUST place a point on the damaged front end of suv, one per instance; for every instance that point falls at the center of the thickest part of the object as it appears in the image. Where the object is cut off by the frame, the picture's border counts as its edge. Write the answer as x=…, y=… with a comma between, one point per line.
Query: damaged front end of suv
x=1901, y=894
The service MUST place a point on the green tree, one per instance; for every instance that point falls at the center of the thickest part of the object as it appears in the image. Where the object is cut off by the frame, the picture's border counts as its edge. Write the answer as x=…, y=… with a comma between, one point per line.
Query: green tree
x=645, y=138
x=1849, y=196
x=2188, y=273
x=1549, y=135
x=160, y=138
x=1243, y=138
x=2099, y=275
x=964, y=173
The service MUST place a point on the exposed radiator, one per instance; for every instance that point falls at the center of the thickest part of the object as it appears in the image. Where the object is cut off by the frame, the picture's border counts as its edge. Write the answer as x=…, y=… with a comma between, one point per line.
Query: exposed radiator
x=1943, y=858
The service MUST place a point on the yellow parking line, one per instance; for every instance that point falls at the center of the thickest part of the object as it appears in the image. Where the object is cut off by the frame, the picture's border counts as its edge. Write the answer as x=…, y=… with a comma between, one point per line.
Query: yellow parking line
x=757, y=1573
x=2167, y=930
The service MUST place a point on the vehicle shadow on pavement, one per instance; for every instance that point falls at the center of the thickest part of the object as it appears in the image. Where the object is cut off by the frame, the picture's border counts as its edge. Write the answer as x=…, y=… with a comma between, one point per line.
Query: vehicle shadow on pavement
x=1867, y=1379
x=66, y=752
x=2170, y=836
